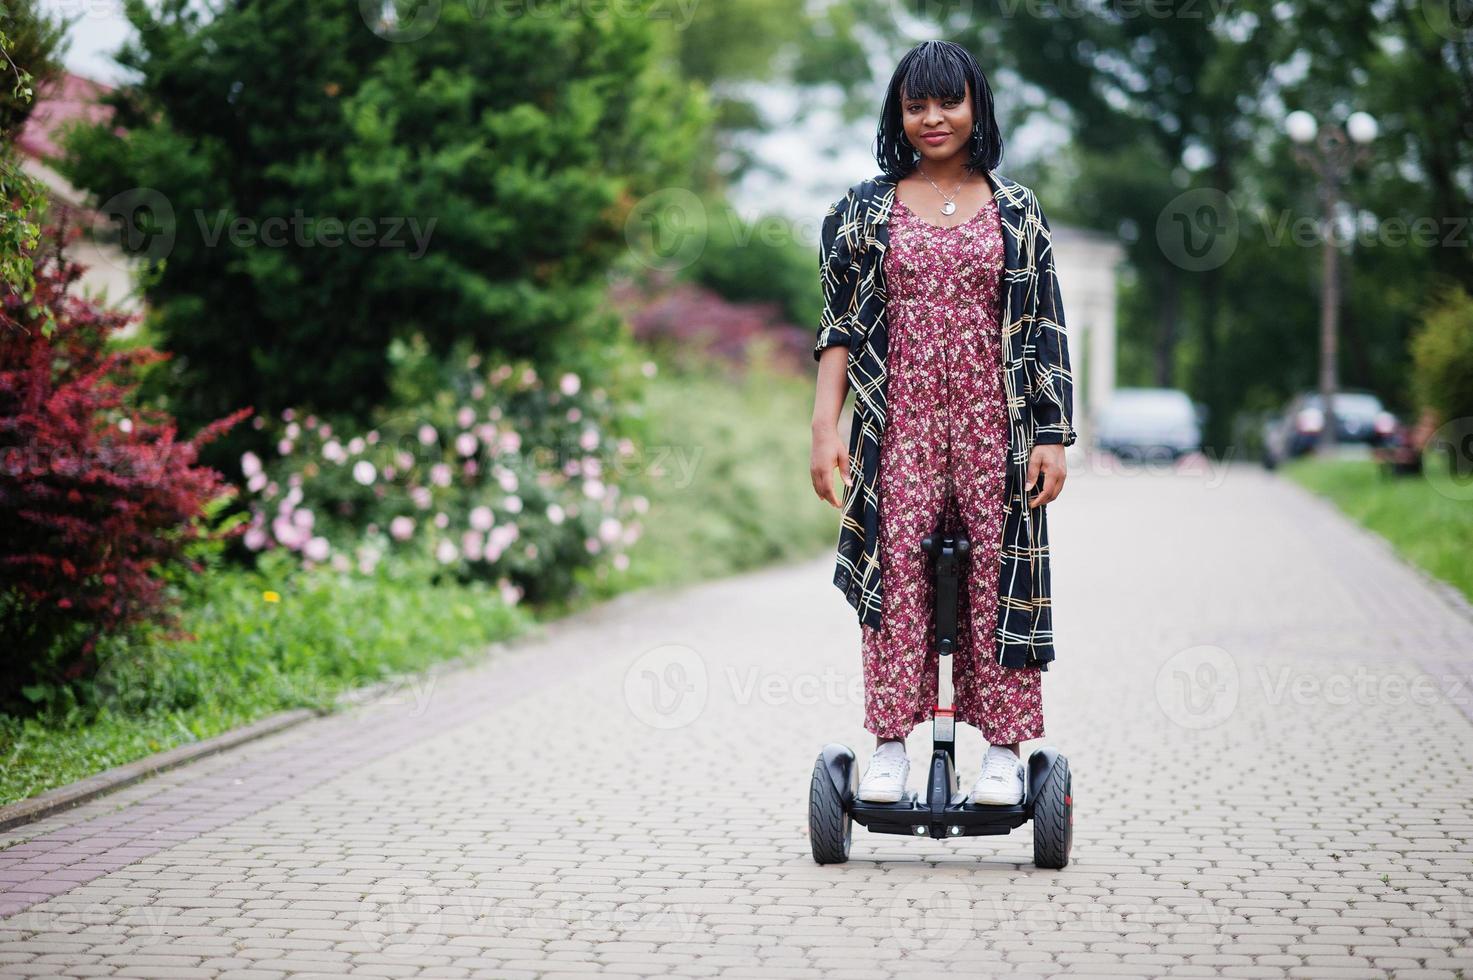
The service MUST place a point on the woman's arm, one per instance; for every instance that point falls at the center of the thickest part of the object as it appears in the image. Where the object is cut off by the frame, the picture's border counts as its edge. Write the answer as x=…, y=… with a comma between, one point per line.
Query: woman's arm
x=828, y=449
x=838, y=275
x=1052, y=401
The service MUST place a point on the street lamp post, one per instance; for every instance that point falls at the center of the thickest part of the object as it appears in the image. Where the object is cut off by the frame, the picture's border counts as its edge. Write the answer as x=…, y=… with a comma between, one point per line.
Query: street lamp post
x=1329, y=152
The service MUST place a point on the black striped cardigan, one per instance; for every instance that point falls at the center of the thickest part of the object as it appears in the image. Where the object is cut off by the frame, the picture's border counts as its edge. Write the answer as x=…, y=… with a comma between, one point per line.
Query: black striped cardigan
x=1036, y=379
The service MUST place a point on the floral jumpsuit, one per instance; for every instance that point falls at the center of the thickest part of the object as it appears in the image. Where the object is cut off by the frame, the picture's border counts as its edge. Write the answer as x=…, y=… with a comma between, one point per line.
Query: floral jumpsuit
x=944, y=388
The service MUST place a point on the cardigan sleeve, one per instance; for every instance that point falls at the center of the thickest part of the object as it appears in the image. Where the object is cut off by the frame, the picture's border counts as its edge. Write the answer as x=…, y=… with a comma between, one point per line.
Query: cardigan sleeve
x=839, y=277
x=1052, y=403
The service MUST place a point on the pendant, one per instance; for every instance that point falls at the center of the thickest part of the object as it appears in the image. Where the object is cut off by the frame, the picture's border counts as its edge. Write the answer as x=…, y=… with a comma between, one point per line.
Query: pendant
x=948, y=208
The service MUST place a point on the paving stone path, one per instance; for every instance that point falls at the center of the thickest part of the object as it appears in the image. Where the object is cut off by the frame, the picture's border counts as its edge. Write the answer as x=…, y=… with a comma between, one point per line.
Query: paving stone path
x=1269, y=719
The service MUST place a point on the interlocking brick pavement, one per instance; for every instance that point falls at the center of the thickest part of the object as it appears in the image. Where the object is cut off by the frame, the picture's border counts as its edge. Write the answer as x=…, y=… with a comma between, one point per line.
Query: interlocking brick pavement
x=1265, y=713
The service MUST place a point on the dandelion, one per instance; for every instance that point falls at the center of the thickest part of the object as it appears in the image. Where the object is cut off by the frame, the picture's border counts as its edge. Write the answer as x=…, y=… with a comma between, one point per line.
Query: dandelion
x=482, y=518
x=555, y=513
x=271, y=596
x=364, y=472
x=427, y=435
x=569, y=384
x=250, y=464
x=401, y=528
x=445, y=551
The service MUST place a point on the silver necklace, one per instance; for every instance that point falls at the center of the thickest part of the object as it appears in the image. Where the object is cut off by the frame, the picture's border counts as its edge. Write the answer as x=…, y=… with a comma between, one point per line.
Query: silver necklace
x=950, y=206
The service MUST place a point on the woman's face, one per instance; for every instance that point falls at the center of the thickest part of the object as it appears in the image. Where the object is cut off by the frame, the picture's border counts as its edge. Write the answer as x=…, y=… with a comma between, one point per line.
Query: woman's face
x=938, y=127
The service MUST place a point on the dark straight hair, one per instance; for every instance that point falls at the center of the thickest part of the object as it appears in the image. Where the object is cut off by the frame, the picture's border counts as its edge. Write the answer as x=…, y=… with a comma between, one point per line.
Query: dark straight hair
x=941, y=69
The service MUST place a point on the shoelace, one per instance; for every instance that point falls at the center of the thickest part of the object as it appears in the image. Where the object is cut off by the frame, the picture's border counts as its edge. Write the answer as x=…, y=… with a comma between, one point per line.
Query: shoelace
x=998, y=767
x=886, y=765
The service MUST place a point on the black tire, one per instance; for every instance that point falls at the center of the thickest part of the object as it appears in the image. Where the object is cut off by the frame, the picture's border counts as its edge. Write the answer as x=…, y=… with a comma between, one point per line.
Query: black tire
x=830, y=828
x=1053, y=818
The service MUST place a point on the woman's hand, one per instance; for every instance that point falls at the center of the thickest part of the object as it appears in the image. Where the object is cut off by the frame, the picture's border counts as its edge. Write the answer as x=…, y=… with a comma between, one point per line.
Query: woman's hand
x=828, y=452
x=1047, y=459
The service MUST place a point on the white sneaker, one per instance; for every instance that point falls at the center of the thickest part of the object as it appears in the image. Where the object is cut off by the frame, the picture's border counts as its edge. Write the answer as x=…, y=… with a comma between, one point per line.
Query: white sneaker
x=1002, y=778
x=885, y=778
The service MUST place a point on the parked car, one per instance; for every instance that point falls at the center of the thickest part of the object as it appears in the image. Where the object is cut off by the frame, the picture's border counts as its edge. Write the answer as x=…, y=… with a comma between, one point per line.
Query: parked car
x=1359, y=418
x=1140, y=423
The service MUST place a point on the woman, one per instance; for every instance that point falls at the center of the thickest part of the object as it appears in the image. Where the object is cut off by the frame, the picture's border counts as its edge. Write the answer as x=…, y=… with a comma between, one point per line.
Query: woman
x=939, y=288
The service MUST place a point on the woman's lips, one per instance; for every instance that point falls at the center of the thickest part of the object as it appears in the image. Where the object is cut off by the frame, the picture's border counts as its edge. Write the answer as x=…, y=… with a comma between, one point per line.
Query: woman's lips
x=936, y=139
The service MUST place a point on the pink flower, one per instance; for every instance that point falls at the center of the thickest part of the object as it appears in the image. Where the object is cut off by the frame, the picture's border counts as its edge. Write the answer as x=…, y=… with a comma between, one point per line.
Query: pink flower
x=513, y=504
x=510, y=594
x=555, y=513
x=445, y=551
x=317, y=549
x=466, y=417
x=609, y=528
x=364, y=472
x=255, y=483
x=255, y=538
x=574, y=414
x=427, y=435
x=287, y=414
x=588, y=440
x=250, y=464
x=421, y=497
x=465, y=444
x=592, y=545
x=284, y=447
x=440, y=475
x=593, y=489
x=482, y=518
x=621, y=561
x=401, y=528
x=569, y=384
x=472, y=543
x=442, y=520
x=507, y=479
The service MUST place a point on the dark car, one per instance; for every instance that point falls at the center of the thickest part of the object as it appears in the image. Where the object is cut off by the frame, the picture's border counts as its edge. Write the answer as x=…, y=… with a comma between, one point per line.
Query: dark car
x=1141, y=423
x=1360, y=418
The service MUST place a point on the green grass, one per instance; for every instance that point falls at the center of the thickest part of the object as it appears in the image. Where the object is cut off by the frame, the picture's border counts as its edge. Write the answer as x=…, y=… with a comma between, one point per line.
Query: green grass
x=250, y=658
x=724, y=465
x=1421, y=517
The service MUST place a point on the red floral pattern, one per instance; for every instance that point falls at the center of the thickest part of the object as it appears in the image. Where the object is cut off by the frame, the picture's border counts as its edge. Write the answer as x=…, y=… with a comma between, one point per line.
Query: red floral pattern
x=944, y=362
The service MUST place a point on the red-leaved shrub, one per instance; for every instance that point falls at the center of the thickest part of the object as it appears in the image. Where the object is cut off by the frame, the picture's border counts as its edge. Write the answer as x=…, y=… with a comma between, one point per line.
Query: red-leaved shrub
x=97, y=496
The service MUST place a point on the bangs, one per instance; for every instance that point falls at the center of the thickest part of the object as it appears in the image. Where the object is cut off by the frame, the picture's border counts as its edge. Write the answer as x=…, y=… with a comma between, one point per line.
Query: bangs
x=932, y=74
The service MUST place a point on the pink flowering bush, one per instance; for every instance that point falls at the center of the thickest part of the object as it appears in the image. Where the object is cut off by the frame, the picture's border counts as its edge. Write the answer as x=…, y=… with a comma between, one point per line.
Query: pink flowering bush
x=495, y=473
